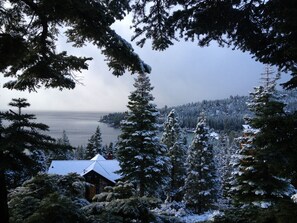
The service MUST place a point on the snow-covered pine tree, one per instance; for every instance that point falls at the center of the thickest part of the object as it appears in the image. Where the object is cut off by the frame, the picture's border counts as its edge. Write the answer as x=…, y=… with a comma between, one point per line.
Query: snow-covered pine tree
x=25, y=141
x=199, y=186
x=247, y=171
x=173, y=139
x=256, y=179
x=224, y=148
x=64, y=150
x=49, y=198
x=121, y=203
x=94, y=146
x=226, y=173
x=22, y=143
x=142, y=158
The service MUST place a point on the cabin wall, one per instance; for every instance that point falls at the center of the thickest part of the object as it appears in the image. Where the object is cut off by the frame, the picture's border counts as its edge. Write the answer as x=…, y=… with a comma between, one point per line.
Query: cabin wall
x=98, y=182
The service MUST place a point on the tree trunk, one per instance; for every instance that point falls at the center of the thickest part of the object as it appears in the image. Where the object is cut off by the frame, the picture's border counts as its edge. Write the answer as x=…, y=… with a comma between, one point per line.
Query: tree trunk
x=3, y=198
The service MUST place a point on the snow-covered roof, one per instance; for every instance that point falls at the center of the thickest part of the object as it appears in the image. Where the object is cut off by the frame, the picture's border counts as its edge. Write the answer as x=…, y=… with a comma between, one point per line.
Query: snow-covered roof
x=98, y=157
x=105, y=168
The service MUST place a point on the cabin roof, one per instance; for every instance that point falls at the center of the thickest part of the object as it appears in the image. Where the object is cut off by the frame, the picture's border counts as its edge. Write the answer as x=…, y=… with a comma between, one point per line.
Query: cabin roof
x=98, y=157
x=103, y=167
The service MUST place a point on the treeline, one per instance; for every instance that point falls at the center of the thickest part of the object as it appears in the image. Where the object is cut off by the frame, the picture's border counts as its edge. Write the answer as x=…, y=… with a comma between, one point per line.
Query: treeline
x=224, y=114
x=113, y=119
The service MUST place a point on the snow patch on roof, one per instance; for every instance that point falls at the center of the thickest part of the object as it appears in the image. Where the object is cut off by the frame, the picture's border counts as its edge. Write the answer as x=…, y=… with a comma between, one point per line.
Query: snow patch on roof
x=98, y=157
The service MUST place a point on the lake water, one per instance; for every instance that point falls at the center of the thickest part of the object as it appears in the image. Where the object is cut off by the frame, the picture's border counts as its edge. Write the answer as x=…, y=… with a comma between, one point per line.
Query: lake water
x=79, y=126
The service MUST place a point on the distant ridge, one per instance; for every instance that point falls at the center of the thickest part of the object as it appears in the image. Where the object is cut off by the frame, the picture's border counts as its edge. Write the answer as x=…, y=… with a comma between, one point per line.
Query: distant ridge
x=222, y=115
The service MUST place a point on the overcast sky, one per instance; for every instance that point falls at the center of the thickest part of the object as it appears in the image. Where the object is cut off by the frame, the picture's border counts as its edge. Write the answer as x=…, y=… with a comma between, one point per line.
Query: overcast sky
x=183, y=73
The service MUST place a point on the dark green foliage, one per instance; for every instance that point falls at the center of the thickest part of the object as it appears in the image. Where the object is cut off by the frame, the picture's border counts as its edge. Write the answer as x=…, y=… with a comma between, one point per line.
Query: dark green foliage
x=267, y=29
x=224, y=114
x=79, y=153
x=30, y=31
x=121, y=204
x=172, y=138
x=141, y=156
x=224, y=148
x=94, y=146
x=287, y=141
x=63, y=149
x=199, y=189
x=49, y=198
x=22, y=140
x=277, y=135
x=261, y=160
x=113, y=119
x=22, y=148
x=108, y=151
x=283, y=212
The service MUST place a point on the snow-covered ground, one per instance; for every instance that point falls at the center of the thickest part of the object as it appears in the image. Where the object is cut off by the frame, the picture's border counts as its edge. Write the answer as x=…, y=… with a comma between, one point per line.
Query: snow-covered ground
x=208, y=216
x=178, y=210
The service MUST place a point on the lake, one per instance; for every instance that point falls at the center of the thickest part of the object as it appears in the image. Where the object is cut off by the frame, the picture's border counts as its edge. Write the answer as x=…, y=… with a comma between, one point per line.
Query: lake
x=79, y=126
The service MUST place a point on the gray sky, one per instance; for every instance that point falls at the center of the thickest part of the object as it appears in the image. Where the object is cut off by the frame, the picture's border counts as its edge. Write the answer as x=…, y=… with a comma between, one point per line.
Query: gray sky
x=183, y=73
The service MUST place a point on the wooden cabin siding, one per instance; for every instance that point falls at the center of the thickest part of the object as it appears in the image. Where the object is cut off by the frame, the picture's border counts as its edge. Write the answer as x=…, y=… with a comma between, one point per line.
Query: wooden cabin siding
x=99, y=183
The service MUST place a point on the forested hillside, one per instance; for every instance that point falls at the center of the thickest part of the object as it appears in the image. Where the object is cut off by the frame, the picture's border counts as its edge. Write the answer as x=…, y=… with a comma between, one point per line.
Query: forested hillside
x=224, y=114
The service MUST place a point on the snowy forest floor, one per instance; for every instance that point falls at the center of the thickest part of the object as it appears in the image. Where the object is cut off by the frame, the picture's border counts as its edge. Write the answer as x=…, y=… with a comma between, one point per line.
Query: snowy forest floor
x=180, y=214
x=206, y=217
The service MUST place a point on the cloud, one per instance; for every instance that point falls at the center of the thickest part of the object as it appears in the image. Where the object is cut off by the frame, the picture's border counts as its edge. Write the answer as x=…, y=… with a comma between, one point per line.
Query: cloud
x=181, y=74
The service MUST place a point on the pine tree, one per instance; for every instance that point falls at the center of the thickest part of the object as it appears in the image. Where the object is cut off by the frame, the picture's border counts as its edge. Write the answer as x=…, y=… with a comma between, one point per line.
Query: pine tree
x=79, y=153
x=21, y=141
x=200, y=177
x=94, y=146
x=25, y=140
x=248, y=174
x=64, y=140
x=257, y=180
x=49, y=198
x=142, y=158
x=108, y=151
x=64, y=150
x=120, y=203
x=224, y=148
x=173, y=139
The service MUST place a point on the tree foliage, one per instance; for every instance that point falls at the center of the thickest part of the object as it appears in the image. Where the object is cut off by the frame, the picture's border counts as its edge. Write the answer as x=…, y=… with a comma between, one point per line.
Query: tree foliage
x=261, y=157
x=283, y=212
x=94, y=146
x=200, y=176
x=267, y=29
x=49, y=198
x=30, y=30
x=172, y=138
x=63, y=149
x=22, y=147
x=21, y=138
x=121, y=204
x=141, y=156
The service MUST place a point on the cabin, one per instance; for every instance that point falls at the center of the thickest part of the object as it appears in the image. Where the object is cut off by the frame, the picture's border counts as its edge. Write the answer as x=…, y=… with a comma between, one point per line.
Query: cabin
x=98, y=171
